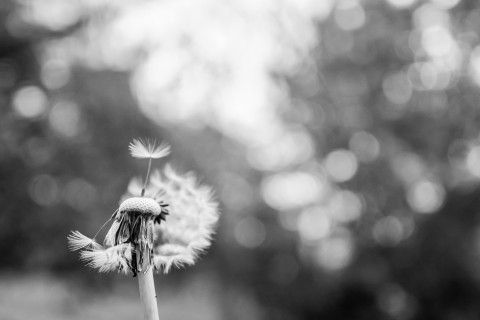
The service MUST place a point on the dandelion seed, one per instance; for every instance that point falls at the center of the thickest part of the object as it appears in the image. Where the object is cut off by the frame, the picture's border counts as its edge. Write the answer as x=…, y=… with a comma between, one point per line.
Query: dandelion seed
x=146, y=149
x=106, y=260
x=77, y=241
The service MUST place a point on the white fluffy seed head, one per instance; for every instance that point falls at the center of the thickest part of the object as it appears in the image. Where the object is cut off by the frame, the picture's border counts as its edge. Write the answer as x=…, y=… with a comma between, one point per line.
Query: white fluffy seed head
x=140, y=204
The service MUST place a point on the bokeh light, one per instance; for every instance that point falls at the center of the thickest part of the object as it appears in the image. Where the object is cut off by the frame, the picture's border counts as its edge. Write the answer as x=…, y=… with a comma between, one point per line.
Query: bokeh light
x=425, y=196
x=250, y=232
x=345, y=206
x=397, y=88
x=55, y=73
x=65, y=119
x=292, y=190
x=396, y=302
x=473, y=161
x=401, y=4
x=45, y=190
x=30, y=102
x=341, y=165
x=349, y=15
x=314, y=224
x=335, y=252
x=389, y=231
x=365, y=146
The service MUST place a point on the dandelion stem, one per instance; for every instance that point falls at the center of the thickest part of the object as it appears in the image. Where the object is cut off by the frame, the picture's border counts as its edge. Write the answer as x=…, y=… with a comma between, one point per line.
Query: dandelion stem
x=146, y=287
x=146, y=178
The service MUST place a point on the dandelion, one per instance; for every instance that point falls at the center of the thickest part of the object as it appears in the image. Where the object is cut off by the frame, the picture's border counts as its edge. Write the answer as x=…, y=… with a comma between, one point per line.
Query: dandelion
x=142, y=238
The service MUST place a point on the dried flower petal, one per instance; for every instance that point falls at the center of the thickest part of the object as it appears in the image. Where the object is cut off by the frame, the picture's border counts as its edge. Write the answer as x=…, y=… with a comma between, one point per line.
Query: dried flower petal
x=110, y=237
x=146, y=149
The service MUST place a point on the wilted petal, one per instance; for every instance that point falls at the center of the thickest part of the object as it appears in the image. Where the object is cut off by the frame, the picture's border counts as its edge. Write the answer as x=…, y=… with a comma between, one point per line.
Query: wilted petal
x=110, y=237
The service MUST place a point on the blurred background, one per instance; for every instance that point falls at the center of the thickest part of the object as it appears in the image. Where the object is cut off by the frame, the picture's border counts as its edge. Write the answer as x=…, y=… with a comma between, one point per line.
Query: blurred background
x=342, y=139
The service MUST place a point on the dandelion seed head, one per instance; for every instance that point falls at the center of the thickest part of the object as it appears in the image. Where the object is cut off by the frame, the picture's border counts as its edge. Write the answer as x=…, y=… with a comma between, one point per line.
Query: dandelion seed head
x=110, y=237
x=139, y=237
